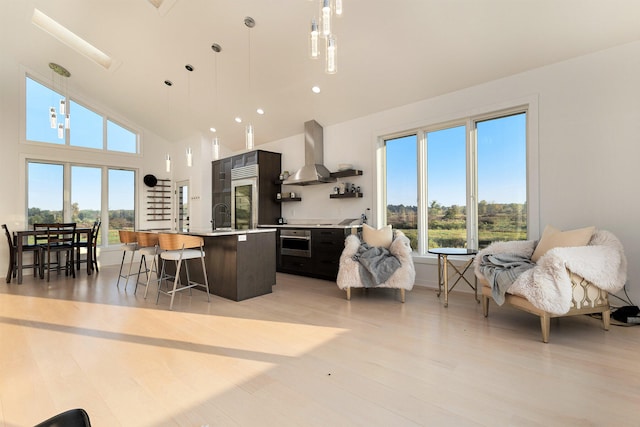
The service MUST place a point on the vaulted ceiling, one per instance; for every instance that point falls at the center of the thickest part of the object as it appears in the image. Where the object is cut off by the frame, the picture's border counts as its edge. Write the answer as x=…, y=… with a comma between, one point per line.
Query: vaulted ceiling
x=390, y=53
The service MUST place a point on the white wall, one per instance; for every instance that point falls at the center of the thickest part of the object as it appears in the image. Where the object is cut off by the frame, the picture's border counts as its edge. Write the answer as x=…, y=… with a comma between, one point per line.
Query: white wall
x=588, y=129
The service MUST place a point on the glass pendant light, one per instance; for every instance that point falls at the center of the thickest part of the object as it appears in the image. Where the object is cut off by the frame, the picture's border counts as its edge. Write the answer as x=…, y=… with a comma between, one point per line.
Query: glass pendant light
x=326, y=18
x=216, y=148
x=63, y=107
x=338, y=7
x=189, y=157
x=332, y=55
x=60, y=131
x=53, y=120
x=249, y=137
x=168, y=163
x=313, y=39
x=67, y=122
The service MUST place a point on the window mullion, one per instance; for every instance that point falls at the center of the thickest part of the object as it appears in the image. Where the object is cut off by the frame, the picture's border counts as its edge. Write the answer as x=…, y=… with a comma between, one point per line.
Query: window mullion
x=472, y=186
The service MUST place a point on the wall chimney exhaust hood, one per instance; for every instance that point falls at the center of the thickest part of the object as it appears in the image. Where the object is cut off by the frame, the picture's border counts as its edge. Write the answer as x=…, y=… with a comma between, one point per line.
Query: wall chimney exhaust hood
x=313, y=171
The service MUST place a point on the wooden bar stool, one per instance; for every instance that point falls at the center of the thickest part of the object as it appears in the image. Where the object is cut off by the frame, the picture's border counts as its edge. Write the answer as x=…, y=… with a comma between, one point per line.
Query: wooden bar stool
x=179, y=248
x=129, y=242
x=148, y=246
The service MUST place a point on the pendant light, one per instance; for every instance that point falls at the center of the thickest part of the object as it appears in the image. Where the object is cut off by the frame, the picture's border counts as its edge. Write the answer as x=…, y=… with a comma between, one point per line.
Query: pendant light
x=167, y=162
x=215, y=148
x=313, y=39
x=189, y=157
x=249, y=137
x=249, y=22
x=332, y=55
x=63, y=110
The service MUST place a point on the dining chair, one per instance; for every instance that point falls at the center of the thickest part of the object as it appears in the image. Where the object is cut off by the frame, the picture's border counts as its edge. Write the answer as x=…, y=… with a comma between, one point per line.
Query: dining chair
x=61, y=239
x=82, y=246
x=77, y=417
x=149, y=248
x=129, y=242
x=180, y=248
x=13, y=254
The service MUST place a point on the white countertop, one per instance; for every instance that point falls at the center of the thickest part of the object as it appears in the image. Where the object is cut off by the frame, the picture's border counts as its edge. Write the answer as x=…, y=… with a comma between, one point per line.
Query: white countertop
x=229, y=231
x=306, y=226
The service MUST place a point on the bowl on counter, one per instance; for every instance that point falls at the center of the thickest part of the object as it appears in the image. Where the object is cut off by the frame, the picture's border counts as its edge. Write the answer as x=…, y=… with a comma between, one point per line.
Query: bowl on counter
x=344, y=166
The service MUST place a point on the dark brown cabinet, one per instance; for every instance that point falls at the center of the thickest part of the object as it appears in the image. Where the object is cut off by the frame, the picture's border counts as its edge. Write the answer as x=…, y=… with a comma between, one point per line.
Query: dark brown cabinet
x=269, y=164
x=326, y=247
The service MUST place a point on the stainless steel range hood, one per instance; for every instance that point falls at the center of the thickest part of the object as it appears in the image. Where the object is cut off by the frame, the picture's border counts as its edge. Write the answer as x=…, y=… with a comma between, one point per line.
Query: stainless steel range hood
x=313, y=171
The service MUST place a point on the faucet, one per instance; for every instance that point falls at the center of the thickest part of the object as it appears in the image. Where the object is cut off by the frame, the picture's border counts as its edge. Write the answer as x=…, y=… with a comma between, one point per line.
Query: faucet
x=225, y=211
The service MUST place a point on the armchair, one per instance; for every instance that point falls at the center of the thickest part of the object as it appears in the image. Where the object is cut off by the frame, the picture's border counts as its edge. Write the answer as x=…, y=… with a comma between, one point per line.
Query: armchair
x=565, y=279
x=351, y=271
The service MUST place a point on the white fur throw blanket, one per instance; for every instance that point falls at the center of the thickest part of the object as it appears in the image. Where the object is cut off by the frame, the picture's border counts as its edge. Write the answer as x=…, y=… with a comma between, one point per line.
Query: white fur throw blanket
x=403, y=278
x=548, y=285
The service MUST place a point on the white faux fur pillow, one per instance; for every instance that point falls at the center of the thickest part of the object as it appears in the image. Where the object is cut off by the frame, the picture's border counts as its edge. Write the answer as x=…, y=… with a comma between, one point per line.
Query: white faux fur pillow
x=379, y=238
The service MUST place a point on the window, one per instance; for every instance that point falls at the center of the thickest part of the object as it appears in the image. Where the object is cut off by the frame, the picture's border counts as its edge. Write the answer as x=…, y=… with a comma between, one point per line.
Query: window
x=88, y=128
x=435, y=175
x=53, y=198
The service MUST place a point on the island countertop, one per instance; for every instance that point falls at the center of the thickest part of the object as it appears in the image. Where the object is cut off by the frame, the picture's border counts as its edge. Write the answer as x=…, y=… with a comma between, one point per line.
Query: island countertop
x=228, y=232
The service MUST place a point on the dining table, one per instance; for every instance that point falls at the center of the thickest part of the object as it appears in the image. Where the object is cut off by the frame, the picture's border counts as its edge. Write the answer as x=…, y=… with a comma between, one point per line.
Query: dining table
x=20, y=238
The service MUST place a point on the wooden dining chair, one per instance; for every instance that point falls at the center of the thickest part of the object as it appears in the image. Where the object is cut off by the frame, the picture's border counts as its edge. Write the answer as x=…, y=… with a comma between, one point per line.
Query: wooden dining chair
x=13, y=254
x=82, y=247
x=180, y=248
x=60, y=241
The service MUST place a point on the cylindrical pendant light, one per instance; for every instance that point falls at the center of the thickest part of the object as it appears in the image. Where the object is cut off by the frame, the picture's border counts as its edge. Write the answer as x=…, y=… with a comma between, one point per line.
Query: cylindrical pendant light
x=338, y=7
x=215, y=148
x=53, y=120
x=189, y=157
x=326, y=18
x=67, y=122
x=168, y=163
x=60, y=131
x=332, y=55
x=313, y=39
x=249, y=137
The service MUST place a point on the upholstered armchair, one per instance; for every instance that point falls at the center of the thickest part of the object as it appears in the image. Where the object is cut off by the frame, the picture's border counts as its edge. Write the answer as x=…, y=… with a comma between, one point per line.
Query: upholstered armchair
x=386, y=248
x=569, y=273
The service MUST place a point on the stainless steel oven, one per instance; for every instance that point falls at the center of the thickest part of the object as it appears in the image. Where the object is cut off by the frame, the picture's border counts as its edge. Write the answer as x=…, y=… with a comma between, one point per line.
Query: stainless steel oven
x=295, y=242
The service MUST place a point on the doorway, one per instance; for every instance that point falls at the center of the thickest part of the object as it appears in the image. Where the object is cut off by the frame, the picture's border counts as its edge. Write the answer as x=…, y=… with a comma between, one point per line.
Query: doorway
x=183, y=206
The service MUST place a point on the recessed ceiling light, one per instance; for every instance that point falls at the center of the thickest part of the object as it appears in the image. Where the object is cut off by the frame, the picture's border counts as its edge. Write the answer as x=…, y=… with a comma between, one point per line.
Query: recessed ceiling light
x=69, y=38
x=315, y=89
x=212, y=129
x=168, y=82
x=260, y=111
x=238, y=120
x=189, y=67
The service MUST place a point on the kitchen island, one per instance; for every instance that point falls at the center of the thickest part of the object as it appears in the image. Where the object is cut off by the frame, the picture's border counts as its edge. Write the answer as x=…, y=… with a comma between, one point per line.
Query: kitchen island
x=240, y=264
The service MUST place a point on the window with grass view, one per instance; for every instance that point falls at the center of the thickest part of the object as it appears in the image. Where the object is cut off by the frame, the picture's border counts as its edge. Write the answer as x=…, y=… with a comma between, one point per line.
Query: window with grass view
x=474, y=183
x=53, y=198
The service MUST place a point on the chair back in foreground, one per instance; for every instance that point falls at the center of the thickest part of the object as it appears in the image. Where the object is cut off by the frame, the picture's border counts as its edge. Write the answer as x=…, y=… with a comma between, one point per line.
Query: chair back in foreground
x=60, y=241
x=180, y=248
x=84, y=244
x=12, y=270
x=71, y=418
x=129, y=240
x=149, y=248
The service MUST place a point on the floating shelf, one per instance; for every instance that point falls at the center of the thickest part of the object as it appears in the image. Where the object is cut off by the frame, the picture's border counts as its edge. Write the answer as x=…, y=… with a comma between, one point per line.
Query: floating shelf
x=159, y=201
x=346, y=173
x=345, y=196
x=289, y=199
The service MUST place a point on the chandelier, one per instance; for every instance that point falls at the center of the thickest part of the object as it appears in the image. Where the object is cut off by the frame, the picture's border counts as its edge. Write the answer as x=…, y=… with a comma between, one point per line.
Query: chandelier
x=61, y=120
x=321, y=28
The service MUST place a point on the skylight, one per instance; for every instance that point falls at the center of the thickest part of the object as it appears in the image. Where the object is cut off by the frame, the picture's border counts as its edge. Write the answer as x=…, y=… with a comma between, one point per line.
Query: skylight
x=69, y=38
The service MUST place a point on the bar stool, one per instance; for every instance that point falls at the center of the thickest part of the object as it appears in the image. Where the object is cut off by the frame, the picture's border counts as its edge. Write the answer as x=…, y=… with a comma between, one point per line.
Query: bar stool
x=148, y=246
x=129, y=245
x=179, y=248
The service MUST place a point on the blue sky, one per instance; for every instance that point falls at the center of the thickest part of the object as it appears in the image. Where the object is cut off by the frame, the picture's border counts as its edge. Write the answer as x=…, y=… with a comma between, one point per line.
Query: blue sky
x=87, y=131
x=501, y=164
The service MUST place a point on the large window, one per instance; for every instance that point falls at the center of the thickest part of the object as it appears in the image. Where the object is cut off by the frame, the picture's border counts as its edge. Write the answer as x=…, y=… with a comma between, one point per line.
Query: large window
x=87, y=128
x=462, y=184
x=51, y=197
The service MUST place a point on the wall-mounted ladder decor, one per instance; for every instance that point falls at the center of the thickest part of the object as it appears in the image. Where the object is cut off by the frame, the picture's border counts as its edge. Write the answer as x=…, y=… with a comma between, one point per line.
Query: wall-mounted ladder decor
x=159, y=201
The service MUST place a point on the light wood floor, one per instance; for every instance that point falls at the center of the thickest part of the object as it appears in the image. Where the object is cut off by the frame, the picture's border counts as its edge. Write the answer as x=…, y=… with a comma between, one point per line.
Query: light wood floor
x=303, y=356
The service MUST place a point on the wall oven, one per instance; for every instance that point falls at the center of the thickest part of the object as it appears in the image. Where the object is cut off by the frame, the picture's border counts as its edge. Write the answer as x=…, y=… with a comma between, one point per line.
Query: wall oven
x=244, y=197
x=295, y=242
